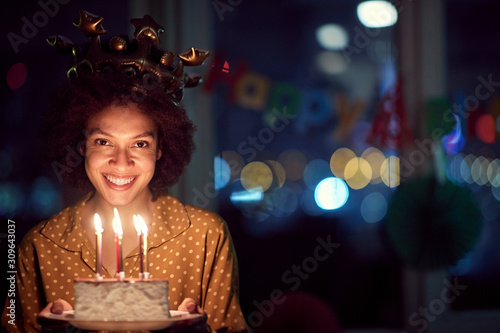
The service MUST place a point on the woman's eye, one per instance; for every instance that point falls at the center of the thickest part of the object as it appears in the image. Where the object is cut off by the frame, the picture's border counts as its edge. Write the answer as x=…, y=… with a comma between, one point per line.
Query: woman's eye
x=101, y=142
x=142, y=144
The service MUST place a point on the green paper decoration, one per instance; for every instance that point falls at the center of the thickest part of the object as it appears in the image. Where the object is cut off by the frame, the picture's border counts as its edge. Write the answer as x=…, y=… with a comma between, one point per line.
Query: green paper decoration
x=438, y=118
x=431, y=225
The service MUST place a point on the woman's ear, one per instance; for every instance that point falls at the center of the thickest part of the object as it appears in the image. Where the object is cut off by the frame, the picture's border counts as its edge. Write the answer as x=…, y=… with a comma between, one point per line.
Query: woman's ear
x=81, y=148
x=158, y=150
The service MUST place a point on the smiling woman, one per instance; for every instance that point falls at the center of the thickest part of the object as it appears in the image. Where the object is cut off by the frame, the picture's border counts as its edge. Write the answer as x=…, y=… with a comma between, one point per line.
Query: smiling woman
x=129, y=140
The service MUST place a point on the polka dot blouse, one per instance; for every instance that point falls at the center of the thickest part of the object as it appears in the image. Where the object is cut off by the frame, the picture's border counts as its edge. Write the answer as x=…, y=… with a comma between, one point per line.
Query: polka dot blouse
x=190, y=247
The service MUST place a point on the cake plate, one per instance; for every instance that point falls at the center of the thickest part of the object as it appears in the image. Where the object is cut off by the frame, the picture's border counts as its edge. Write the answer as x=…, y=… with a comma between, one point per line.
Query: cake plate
x=110, y=325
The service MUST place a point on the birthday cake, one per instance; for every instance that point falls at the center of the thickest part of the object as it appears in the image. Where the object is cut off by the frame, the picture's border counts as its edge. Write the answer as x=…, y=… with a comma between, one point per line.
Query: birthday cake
x=121, y=299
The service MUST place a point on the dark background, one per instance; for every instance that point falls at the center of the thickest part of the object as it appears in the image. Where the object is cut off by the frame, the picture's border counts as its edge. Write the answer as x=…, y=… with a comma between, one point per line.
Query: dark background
x=362, y=280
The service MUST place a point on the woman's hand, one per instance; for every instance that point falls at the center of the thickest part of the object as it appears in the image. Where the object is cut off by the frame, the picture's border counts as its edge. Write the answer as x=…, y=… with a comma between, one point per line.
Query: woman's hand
x=56, y=307
x=198, y=324
x=189, y=305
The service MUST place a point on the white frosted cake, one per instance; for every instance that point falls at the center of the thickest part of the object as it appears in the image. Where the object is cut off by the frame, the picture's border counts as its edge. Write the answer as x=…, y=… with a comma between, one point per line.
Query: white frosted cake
x=121, y=300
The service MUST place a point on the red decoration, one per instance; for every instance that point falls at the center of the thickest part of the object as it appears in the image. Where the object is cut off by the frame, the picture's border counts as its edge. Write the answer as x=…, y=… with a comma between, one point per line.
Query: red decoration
x=390, y=124
x=485, y=128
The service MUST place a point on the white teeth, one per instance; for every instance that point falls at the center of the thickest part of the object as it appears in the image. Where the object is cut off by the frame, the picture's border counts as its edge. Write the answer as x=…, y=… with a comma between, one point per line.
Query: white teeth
x=119, y=181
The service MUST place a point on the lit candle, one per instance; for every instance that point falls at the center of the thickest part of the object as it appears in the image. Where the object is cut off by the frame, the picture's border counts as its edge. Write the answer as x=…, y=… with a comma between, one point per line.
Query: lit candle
x=98, y=245
x=137, y=224
x=144, y=231
x=117, y=227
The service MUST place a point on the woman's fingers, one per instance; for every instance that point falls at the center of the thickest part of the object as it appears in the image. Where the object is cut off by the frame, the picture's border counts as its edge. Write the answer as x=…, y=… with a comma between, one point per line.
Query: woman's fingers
x=56, y=307
x=189, y=305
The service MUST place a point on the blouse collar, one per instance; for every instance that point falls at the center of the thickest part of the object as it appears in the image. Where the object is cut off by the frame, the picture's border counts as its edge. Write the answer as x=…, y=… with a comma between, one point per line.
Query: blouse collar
x=170, y=219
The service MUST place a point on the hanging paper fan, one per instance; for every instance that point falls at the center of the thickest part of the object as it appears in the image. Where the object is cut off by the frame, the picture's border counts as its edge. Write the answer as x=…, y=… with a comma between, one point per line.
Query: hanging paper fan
x=432, y=225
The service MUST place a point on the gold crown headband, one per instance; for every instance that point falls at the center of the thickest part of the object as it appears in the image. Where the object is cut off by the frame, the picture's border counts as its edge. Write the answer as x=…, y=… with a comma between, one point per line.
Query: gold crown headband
x=142, y=60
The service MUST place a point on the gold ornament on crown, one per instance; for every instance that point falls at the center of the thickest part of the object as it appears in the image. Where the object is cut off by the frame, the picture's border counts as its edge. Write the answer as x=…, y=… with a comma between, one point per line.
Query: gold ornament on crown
x=140, y=59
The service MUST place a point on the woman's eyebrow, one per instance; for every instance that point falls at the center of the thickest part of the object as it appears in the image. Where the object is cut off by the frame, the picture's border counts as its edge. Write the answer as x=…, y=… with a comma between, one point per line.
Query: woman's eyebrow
x=97, y=131
x=144, y=135
x=139, y=136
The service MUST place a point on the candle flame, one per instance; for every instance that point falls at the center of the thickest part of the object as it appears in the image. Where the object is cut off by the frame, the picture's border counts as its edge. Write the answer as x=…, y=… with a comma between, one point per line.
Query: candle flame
x=143, y=225
x=137, y=224
x=97, y=223
x=117, y=224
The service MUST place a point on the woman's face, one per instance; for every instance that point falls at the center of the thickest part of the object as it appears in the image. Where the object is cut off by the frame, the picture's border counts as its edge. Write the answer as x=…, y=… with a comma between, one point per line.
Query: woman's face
x=120, y=154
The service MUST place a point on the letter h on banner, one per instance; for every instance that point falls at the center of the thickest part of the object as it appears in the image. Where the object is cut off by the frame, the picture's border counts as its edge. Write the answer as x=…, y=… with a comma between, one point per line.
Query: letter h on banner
x=216, y=74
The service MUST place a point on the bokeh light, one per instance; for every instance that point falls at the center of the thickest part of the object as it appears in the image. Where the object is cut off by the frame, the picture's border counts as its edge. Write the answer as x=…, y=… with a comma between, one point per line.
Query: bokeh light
x=235, y=162
x=285, y=201
x=478, y=170
x=253, y=195
x=256, y=175
x=278, y=173
x=465, y=168
x=331, y=193
x=493, y=173
x=222, y=173
x=453, y=168
x=373, y=207
x=16, y=75
x=389, y=171
x=485, y=128
x=357, y=173
x=44, y=197
x=481, y=171
x=339, y=160
x=240, y=196
x=329, y=62
x=294, y=163
x=315, y=171
x=332, y=36
x=375, y=158
x=496, y=192
x=377, y=14
x=12, y=199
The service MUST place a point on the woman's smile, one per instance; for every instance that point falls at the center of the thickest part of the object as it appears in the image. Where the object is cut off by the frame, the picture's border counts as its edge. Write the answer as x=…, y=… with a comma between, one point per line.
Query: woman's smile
x=120, y=182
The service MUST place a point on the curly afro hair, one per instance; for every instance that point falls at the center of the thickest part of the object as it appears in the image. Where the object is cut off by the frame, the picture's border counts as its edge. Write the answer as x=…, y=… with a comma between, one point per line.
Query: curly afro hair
x=81, y=98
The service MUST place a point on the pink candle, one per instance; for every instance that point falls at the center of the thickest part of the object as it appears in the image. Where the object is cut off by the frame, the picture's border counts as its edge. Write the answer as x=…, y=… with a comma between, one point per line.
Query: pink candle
x=117, y=242
x=117, y=228
x=98, y=245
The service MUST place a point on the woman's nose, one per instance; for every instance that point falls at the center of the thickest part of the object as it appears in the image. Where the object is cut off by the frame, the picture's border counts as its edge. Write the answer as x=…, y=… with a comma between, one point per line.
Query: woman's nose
x=121, y=159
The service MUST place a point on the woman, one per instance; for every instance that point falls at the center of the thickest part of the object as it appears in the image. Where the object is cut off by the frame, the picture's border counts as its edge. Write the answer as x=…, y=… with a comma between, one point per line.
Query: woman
x=135, y=141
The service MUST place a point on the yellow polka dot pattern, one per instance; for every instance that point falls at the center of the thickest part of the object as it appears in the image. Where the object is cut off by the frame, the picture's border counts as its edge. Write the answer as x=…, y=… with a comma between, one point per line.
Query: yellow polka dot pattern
x=190, y=247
